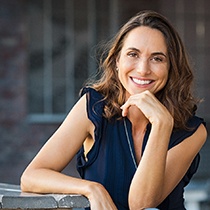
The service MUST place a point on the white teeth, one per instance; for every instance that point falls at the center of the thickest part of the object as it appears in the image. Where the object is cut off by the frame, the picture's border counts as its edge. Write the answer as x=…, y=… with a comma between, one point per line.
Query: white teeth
x=141, y=82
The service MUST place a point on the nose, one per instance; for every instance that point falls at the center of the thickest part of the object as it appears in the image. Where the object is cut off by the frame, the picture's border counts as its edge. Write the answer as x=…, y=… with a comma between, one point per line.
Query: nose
x=143, y=67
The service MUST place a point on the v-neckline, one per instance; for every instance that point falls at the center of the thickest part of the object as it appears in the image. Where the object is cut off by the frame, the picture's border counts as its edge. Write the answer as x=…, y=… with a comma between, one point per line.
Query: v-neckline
x=129, y=136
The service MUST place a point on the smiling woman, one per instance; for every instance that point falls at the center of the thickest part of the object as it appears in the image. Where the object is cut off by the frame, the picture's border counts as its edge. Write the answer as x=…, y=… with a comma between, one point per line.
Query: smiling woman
x=132, y=127
x=143, y=62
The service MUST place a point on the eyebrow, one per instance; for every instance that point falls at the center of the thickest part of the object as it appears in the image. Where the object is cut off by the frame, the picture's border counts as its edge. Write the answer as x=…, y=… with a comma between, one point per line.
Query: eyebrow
x=155, y=53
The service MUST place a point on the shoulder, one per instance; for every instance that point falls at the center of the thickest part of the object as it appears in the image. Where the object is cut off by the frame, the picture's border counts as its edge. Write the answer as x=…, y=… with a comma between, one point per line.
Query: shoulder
x=89, y=91
x=195, y=125
x=201, y=134
x=94, y=100
x=195, y=121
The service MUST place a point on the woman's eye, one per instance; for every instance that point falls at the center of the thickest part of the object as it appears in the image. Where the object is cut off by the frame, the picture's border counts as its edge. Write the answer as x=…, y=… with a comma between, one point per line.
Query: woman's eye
x=157, y=59
x=133, y=54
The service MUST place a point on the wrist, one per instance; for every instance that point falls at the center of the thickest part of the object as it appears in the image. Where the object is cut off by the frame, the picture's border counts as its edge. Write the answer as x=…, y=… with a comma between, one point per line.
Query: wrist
x=165, y=124
x=92, y=188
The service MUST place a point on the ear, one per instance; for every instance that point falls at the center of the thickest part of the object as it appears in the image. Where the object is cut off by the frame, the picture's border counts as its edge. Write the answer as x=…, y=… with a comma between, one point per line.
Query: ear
x=117, y=61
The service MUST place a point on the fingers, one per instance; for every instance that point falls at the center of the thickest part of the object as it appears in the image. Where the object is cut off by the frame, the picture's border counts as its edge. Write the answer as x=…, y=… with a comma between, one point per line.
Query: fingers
x=149, y=105
x=146, y=102
x=137, y=100
x=125, y=108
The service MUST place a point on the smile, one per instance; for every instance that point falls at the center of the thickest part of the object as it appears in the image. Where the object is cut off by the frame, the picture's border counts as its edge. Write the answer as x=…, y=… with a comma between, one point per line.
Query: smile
x=141, y=82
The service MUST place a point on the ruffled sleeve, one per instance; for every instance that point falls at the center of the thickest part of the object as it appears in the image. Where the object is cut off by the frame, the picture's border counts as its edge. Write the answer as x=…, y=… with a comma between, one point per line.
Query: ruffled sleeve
x=95, y=106
x=95, y=109
x=179, y=135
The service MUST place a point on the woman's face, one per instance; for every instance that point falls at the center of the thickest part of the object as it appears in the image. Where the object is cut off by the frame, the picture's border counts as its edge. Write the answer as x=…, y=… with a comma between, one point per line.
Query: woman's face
x=143, y=63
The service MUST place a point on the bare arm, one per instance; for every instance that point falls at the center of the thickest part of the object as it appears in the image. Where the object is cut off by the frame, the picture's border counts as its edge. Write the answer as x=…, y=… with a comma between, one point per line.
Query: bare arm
x=160, y=170
x=43, y=175
x=44, y=170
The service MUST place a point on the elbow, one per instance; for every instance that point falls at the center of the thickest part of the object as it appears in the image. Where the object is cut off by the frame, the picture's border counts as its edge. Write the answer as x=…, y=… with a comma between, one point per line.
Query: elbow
x=142, y=202
x=25, y=183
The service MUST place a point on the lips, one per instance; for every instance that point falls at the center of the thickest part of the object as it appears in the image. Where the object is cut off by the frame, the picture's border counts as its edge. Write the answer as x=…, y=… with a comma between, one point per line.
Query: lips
x=141, y=81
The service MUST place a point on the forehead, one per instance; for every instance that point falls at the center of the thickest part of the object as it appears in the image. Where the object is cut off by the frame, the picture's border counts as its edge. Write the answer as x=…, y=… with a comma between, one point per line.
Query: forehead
x=144, y=37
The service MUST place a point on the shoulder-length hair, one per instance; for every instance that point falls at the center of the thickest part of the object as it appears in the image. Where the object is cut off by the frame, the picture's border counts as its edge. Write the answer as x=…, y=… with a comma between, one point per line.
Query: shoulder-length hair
x=176, y=96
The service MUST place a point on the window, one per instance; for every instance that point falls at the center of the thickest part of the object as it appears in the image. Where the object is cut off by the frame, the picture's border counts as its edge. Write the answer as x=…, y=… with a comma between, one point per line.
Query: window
x=62, y=37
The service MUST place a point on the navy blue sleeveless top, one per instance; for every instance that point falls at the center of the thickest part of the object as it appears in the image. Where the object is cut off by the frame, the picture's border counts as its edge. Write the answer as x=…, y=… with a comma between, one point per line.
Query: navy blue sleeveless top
x=110, y=161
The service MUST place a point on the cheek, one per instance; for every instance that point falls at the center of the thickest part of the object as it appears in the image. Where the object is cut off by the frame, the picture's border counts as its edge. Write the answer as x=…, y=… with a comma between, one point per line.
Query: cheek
x=125, y=67
x=165, y=77
x=122, y=69
x=162, y=74
x=123, y=74
x=120, y=75
x=163, y=71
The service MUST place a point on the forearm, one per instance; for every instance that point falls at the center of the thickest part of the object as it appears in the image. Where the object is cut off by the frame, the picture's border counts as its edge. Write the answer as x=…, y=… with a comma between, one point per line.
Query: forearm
x=49, y=181
x=148, y=182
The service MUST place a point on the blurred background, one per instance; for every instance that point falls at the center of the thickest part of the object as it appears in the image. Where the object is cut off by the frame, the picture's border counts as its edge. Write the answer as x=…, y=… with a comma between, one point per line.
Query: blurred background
x=48, y=50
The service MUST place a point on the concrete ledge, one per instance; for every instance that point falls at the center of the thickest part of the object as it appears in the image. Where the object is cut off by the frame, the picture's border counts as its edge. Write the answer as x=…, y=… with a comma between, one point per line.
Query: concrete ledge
x=11, y=197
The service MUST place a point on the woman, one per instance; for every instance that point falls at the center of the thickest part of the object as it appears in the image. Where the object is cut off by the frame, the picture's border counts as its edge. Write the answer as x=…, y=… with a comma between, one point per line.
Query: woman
x=134, y=130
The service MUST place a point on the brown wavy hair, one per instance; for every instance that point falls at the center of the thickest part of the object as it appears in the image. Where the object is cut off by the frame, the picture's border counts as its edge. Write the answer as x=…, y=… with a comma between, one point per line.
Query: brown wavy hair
x=176, y=96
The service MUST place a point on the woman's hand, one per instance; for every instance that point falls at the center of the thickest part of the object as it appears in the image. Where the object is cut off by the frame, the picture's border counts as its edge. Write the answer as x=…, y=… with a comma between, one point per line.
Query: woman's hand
x=150, y=106
x=99, y=198
x=147, y=185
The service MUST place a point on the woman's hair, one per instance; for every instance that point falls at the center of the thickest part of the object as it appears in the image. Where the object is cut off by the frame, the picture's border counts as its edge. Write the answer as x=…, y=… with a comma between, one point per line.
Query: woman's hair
x=177, y=93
